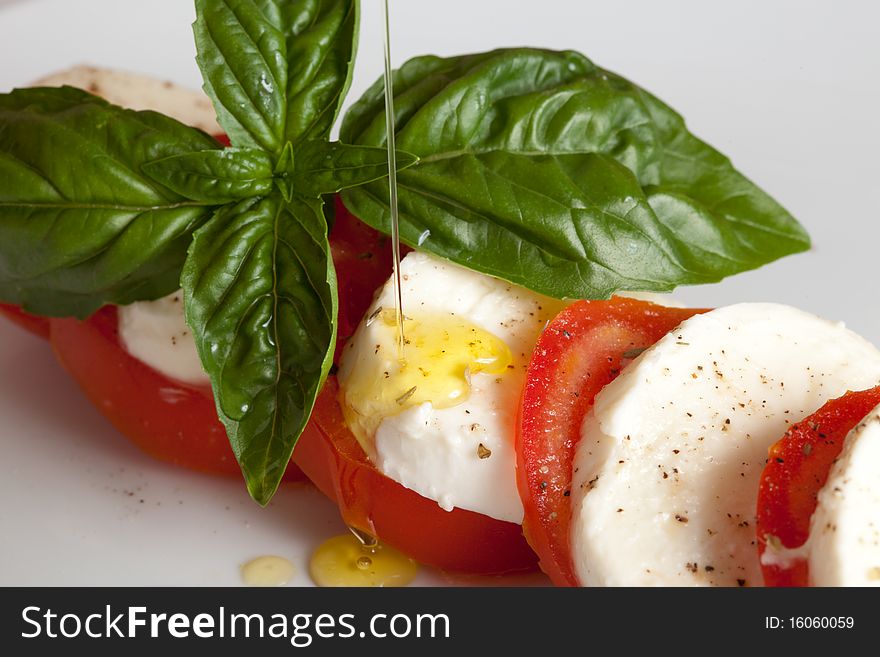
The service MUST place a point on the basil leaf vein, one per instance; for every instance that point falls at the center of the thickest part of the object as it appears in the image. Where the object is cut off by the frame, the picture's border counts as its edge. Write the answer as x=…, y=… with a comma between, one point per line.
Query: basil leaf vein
x=220, y=176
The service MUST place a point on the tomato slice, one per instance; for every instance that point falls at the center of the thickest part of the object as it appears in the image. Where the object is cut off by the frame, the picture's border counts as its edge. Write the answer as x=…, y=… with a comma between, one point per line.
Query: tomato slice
x=35, y=324
x=170, y=420
x=457, y=540
x=583, y=349
x=797, y=468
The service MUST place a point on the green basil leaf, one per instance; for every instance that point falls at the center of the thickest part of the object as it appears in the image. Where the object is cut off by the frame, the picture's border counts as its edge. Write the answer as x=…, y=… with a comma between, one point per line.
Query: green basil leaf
x=73, y=238
x=277, y=70
x=597, y=234
x=321, y=167
x=260, y=295
x=698, y=190
x=219, y=176
x=478, y=123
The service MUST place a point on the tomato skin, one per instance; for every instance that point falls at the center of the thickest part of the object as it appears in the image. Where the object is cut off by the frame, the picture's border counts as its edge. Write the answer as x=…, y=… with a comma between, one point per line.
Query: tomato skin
x=35, y=324
x=170, y=420
x=582, y=350
x=797, y=468
x=457, y=540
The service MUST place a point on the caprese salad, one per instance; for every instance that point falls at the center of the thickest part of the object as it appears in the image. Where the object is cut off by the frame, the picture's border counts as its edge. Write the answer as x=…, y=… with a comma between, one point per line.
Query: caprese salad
x=222, y=290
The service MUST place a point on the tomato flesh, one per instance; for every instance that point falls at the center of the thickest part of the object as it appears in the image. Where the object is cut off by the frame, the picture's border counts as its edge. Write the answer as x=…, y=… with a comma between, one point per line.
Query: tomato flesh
x=170, y=420
x=457, y=540
x=797, y=468
x=35, y=324
x=582, y=350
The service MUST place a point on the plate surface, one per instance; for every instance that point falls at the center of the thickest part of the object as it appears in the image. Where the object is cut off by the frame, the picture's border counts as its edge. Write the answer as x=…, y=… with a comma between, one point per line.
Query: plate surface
x=785, y=88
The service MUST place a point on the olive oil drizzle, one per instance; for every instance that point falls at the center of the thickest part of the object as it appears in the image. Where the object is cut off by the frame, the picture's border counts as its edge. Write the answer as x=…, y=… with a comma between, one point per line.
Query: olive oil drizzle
x=358, y=559
x=392, y=185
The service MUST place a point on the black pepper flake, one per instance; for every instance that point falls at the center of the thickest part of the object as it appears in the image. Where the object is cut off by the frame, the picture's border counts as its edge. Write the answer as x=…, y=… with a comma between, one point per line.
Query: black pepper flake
x=543, y=485
x=566, y=493
x=681, y=518
x=709, y=569
x=740, y=582
x=692, y=567
x=484, y=452
x=779, y=460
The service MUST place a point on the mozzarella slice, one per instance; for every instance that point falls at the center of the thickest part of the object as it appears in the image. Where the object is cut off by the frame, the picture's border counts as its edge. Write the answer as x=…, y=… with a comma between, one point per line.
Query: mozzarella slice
x=140, y=92
x=155, y=332
x=844, y=542
x=462, y=455
x=666, y=474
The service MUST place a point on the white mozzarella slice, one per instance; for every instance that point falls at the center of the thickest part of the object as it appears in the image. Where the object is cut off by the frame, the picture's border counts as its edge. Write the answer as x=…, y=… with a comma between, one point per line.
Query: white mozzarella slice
x=155, y=332
x=437, y=452
x=844, y=542
x=666, y=473
x=140, y=92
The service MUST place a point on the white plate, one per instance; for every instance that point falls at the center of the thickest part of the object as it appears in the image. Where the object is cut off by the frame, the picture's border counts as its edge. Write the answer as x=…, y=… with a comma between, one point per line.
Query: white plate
x=786, y=89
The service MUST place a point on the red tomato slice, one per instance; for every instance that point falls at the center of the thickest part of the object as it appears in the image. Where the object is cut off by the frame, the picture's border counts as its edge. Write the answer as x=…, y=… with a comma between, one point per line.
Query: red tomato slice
x=457, y=540
x=33, y=323
x=169, y=420
x=583, y=349
x=797, y=468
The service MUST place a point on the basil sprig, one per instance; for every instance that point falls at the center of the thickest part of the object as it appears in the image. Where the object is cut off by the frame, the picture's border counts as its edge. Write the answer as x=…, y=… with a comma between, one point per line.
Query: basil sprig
x=99, y=204
x=543, y=169
x=535, y=166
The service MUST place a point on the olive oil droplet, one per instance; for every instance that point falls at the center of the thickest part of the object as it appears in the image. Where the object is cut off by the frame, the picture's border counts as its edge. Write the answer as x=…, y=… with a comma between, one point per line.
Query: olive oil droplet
x=267, y=571
x=346, y=561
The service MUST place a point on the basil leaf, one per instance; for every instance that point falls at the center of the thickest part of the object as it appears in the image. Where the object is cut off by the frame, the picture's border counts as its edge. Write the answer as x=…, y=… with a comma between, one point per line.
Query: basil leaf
x=276, y=70
x=321, y=167
x=219, y=176
x=699, y=191
x=260, y=297
x=597, y=234
x=502, y=139
x=73, y=238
